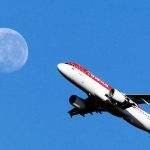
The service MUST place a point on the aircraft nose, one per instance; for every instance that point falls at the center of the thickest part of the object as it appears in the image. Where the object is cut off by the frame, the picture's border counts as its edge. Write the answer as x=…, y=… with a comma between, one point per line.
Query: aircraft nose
x=60, y=67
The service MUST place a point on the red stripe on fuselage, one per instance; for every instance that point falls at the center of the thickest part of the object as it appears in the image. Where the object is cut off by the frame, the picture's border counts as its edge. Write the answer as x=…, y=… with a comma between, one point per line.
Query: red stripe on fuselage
x=77, y=66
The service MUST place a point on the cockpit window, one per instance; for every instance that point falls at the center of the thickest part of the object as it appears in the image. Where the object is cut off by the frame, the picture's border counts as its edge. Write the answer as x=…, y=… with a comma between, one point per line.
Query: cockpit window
x=66, y=63
x=69, y=63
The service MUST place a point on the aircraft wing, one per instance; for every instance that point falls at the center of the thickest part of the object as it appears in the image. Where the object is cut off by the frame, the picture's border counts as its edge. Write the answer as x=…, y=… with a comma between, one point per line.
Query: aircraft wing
x=76, y=111
x=140, y=98
x=91, y=106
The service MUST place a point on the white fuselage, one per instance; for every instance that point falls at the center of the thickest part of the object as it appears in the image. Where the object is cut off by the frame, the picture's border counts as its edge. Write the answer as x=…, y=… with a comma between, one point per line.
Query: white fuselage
x=134, y=115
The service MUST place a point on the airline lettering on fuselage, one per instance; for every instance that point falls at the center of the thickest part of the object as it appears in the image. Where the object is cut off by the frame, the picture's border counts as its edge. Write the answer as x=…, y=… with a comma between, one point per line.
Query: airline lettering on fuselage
x=92, y=76
x=97, y=79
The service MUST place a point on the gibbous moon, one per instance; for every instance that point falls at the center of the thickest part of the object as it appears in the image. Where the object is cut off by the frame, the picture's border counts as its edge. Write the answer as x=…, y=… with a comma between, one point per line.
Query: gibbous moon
x=13, y=50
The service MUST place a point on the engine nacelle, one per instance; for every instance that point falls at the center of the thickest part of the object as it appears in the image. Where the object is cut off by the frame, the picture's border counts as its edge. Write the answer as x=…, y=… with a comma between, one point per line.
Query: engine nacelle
x=77, y=102
x=117, y=96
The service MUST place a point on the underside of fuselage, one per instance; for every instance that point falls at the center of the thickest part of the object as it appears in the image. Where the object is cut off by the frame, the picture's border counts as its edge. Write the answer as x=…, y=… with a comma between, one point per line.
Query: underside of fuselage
x=135, y=122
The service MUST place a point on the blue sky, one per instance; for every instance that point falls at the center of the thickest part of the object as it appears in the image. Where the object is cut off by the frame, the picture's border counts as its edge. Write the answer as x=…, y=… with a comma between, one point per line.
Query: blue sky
x=109, y=38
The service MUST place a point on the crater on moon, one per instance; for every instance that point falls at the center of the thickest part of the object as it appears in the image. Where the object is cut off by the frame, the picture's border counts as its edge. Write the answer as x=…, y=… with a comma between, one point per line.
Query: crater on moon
x=13, y=50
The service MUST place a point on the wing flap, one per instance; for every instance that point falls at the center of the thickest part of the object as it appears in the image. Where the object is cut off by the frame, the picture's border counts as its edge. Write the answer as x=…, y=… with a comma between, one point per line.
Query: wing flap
x=76, y=111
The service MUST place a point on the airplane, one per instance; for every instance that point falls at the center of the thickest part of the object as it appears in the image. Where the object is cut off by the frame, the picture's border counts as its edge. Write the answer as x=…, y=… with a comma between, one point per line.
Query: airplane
x=101, y=97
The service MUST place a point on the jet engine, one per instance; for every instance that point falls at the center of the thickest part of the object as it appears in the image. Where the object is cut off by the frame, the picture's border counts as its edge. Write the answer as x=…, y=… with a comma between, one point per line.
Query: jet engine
x=117, y=96
x=77, y=102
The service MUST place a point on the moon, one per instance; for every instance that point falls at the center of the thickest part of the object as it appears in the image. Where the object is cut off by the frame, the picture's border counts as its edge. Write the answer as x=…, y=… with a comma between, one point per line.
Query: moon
x=13, y=50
